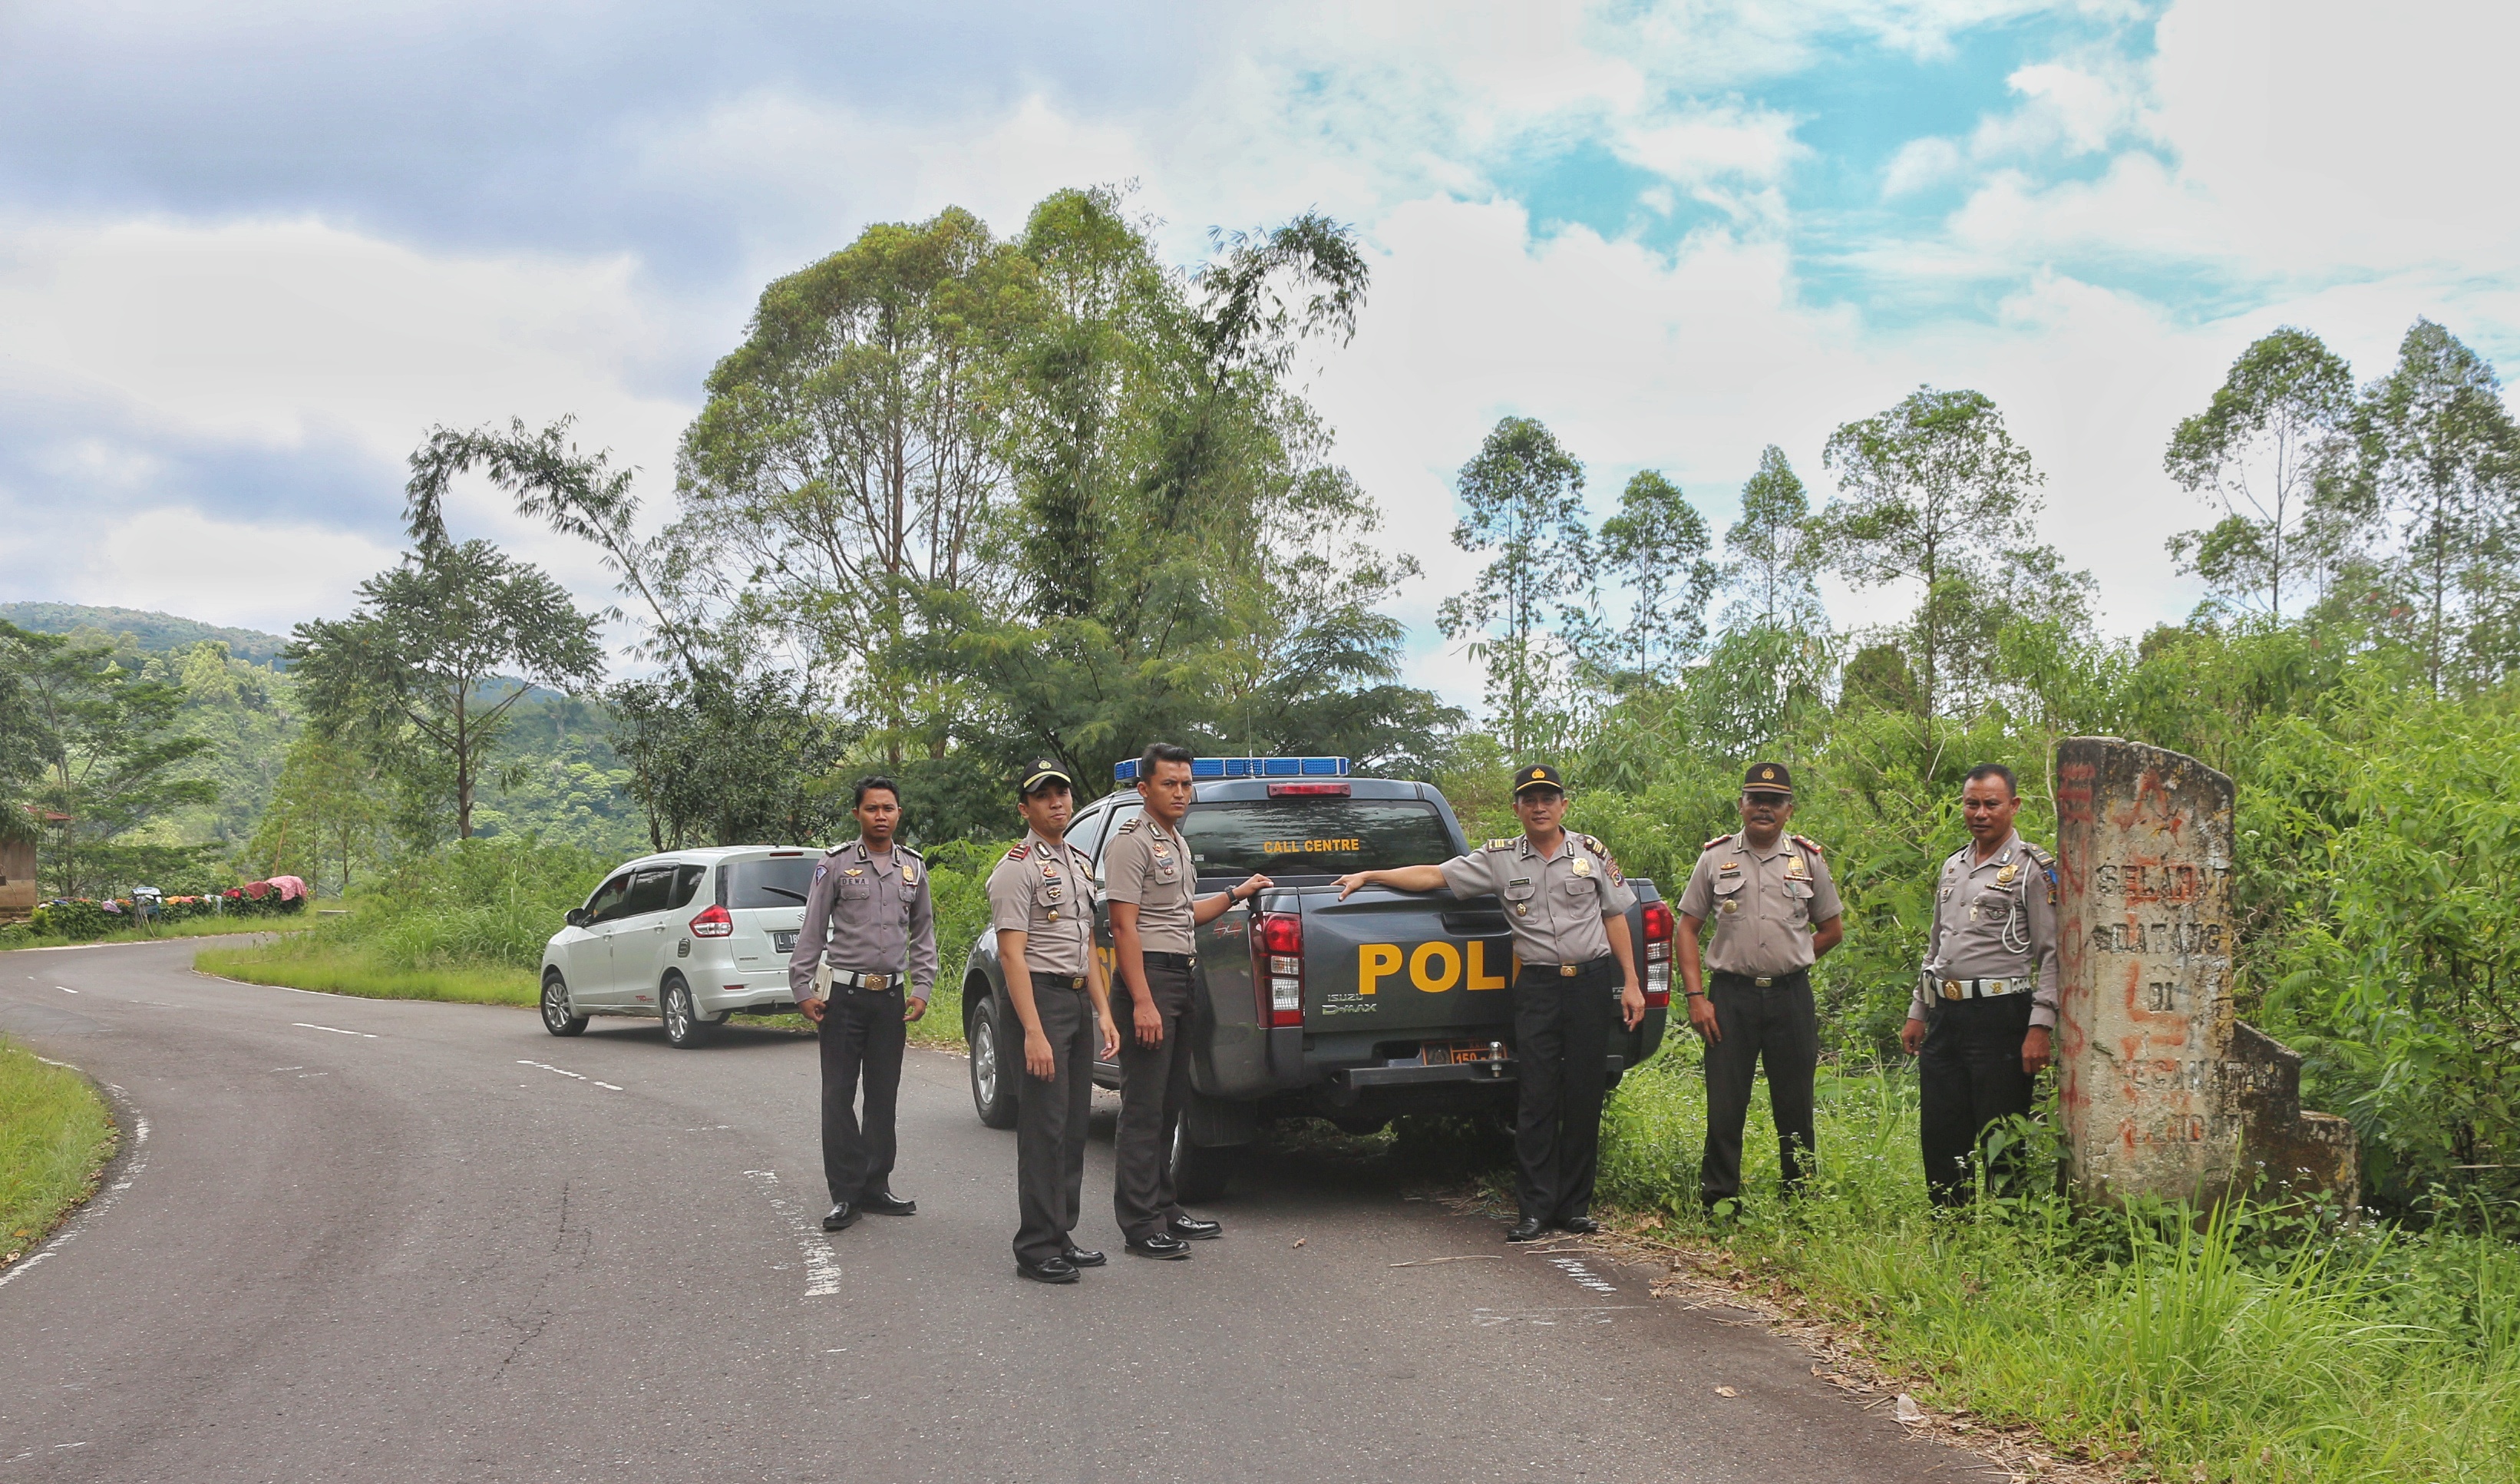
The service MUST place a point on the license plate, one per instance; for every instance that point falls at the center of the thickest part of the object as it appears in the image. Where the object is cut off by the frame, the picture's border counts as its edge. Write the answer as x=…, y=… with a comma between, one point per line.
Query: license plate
x=1458, y=1053
x=785, y=942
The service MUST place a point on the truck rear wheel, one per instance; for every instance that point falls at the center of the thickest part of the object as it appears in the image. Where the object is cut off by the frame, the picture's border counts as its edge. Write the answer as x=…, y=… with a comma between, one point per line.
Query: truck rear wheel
x=1202, y=1172
x=992, y=1078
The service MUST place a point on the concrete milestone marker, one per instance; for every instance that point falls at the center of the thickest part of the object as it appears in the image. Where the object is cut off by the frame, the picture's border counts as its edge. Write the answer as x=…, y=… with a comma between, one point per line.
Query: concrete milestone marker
x=2165, y=1092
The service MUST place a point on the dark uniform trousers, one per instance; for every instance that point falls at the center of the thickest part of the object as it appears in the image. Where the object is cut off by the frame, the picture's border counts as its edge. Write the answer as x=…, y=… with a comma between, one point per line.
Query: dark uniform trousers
x=1561, y=1047
x=1969, y=1075
x=862, y=1040
x=1154, y=1088
x=1779, y=1026
x=1051, y=1117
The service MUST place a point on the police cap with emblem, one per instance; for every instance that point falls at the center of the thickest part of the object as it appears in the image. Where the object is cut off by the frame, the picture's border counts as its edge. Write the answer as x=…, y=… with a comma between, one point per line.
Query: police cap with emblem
x=1039, y=772
x=1767, y=778
x=1537, y=776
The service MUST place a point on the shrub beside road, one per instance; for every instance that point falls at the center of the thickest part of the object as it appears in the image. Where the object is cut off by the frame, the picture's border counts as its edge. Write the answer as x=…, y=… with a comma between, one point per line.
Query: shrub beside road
x=55, y=1136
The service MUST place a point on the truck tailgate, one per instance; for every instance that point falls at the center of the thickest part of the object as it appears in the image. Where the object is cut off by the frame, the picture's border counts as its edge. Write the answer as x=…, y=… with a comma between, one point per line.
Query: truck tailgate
x=1383, y=961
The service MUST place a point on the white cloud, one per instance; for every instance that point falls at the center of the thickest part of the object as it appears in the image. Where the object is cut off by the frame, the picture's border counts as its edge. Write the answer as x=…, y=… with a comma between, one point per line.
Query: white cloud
x=246, y=574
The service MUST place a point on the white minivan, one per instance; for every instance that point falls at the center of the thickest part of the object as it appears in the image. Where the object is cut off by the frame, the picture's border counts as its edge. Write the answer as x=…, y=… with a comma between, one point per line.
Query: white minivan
x=688, y=937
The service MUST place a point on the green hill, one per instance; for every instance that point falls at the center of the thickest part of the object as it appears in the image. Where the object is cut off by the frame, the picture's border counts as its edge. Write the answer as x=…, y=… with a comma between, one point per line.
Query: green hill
x=151, y=632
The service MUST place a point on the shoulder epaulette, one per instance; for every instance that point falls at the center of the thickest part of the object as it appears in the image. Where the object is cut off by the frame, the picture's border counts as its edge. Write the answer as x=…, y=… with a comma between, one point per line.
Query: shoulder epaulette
x=1810, y=845
x=1021, y=851
x=1507, y=844
x=1594, y=843
x=1718, y=841
x=911, y=852
x=2037, y=854
x=1134, y=821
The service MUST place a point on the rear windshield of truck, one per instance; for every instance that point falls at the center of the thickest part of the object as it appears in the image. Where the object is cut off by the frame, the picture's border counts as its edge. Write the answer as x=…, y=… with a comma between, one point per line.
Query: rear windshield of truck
x=1313, y=837
x=772, y=880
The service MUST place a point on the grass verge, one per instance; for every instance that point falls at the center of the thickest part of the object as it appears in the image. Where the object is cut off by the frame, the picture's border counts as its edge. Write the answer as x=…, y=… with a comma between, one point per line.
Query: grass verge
x=2254, y=1347
x=195, y=927
x=338, y=971
x=55, y=1136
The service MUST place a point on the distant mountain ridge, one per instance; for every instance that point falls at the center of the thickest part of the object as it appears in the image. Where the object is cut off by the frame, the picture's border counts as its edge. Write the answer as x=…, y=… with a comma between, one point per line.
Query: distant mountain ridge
x=155, y=633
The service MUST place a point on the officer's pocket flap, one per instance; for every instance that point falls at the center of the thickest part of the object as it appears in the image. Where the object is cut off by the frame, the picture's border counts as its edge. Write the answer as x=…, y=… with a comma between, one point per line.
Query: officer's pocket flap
x=1795, y=888
x=1726, y=886
x=1519, y=892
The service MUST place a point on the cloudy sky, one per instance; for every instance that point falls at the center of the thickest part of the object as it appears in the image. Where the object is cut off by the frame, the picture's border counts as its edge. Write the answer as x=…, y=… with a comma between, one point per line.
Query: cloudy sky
x=250, y=253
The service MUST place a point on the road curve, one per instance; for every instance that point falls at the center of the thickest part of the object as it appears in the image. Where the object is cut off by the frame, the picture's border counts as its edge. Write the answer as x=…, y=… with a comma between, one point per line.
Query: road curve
x=383, y=1241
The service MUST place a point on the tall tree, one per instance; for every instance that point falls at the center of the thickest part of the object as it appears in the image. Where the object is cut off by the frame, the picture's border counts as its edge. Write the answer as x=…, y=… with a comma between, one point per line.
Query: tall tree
x=2441, y=450
x=328, y=817
x=1932, y=491
x=424, y=672
x=1656, y=548
x=1522, y=497
x=2276, y=427
x=1771, y=552
x=104, y=750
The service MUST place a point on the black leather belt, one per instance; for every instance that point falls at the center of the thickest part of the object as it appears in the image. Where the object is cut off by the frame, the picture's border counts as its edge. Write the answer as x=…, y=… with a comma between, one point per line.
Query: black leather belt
x=1058, y=982
x=848, y=979
x=1982, y=989
x=1799, y=976
x=1569, y=970
x=1174, y=960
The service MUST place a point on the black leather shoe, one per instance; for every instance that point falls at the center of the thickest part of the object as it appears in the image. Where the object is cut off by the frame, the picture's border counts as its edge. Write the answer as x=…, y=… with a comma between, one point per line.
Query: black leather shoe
x=1084, y=1257
x=1050, y=1270
x=1529, y=1228
x=1581, y=1225
x=1169, y=1248
x=1192, y=1228
x=886, y=1203
x=841, y=1217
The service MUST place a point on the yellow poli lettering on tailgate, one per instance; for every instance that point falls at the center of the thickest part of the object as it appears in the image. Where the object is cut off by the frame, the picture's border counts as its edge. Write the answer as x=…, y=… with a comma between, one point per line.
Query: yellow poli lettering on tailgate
x=1376, y=960
x=1424, y=972
x=1481, y=978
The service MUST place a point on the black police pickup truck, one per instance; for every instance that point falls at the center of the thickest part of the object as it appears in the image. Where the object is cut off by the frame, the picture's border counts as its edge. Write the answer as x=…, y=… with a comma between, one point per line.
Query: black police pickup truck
x=1385, y=1004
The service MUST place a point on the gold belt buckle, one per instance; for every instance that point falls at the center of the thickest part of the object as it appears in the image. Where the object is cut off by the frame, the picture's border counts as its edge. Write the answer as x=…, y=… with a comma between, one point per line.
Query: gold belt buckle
x=1076, y=981
x=874, y=981
x=1764, y=981
x=1951, y=989
x=1566, y=970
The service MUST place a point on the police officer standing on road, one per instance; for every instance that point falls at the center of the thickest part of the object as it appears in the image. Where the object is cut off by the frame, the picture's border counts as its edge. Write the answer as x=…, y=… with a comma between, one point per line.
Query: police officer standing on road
x=867, y=919
x=1040, y=902
x=1150, y=881
x=1567, y=906
x=1766, y=892
x=1984, y=1008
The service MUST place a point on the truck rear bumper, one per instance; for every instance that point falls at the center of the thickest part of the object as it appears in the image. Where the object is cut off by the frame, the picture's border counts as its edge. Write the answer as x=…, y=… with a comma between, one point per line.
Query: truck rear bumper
x=1358, y=1079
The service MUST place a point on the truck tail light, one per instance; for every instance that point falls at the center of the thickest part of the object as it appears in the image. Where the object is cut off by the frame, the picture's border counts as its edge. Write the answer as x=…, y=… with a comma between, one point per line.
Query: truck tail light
x=1309, y=791
x=1658, y=934
x=1278, y=969
x=713, y=923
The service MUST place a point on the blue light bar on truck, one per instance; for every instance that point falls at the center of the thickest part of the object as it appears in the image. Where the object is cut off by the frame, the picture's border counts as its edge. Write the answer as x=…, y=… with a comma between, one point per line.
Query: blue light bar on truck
x=1204, y=768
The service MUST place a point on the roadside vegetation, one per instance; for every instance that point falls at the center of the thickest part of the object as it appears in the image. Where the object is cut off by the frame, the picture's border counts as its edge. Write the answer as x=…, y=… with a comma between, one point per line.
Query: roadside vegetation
x=2259, y=1345
x=54, y=1135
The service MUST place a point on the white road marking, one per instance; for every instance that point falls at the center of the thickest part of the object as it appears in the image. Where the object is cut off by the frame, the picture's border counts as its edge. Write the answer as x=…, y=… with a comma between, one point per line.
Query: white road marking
x=608, y=1085
x=821, y=1264
x=103, y=1203
x=334, y=1029
x=65, y=989
x=566, y=1072
x=1573, y=1267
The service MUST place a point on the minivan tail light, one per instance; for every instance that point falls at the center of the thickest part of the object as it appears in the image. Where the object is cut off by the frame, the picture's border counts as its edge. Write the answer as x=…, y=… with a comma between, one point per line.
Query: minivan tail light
x=1278, y=969
x=1658, y=933
x=713, y=923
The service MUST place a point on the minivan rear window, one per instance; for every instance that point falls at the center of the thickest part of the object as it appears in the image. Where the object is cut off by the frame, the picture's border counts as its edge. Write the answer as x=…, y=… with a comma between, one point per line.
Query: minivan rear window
x=766, y=880
x=1313, y=837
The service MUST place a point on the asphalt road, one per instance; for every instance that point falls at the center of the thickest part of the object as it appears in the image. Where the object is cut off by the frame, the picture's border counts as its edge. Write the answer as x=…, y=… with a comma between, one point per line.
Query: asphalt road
x=380, y=1241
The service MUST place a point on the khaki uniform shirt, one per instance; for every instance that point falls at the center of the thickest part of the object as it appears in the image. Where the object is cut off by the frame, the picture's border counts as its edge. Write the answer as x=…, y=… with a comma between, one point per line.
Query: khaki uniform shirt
x=1150, y=866
x=1763, y=905
x=1995, y=919
x=1043, y=891
x=1554, y=905
x=867, y=914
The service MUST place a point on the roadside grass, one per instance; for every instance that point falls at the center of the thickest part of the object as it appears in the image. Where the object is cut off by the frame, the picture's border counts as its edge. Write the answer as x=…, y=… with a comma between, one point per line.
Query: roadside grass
x=191, y=927
x=339, y=969
x=2259, y=1345
x=55, y=1136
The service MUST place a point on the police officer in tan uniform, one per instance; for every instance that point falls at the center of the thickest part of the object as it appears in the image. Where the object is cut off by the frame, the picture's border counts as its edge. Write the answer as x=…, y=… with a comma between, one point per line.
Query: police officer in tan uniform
x=1040, y=902
x=1984, y=1014
x=1151, y=883
x=870, y=922
x=1567, y=906
x=1775, y=913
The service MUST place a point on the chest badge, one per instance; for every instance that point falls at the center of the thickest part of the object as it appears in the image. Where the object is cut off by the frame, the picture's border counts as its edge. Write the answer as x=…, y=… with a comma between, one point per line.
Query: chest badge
x=1582, y=867
x=854, y=871
x=1796, y=870
x=1731, y=907
x=910, y=876
x=2004, y=877
x=1522, y=909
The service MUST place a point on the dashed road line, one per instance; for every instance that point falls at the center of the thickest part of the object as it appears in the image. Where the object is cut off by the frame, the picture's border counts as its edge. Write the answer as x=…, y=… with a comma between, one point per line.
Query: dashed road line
x=566, y=1072
x=336, y=1030
x=65, y=989
x=821, y=1264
